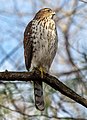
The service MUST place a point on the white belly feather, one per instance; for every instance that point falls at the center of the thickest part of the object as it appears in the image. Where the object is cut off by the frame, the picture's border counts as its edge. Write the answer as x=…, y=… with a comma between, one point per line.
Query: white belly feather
x=44, y=45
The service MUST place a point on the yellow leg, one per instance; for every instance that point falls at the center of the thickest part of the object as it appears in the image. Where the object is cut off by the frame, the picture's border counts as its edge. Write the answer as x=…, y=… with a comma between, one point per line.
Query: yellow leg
x=42, y=71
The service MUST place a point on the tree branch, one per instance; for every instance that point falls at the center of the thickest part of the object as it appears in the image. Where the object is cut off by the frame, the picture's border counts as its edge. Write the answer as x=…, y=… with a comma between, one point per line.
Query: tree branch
x=50, y=80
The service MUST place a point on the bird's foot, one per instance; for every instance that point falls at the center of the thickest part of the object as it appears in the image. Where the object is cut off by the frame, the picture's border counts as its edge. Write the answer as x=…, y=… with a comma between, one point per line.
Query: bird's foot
x=42, y=70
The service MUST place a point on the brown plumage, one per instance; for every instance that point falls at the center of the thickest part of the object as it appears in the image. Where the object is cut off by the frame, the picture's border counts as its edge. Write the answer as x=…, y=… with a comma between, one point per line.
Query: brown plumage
x=40, y=45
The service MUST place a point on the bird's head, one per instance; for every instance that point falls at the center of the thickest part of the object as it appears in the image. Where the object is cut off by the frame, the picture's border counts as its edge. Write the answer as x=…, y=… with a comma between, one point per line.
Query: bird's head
x=43, y=13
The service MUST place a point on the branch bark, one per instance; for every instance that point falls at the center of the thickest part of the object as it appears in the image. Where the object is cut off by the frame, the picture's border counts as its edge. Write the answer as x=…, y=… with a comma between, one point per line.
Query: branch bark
x=50, y=80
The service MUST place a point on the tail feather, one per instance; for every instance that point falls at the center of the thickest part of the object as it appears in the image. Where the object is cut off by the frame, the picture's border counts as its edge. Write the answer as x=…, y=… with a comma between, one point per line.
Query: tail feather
x=38, y=92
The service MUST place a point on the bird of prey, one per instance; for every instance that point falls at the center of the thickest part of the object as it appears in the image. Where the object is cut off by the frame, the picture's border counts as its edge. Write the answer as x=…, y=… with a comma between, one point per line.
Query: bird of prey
x=40, y=46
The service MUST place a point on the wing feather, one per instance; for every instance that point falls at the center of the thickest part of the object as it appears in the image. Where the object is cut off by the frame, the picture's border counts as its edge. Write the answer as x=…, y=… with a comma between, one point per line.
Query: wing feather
x=28, y=45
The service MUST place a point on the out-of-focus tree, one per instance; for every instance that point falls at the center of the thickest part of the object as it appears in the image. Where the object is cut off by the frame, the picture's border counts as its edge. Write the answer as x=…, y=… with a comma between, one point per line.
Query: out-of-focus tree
x=70, y=63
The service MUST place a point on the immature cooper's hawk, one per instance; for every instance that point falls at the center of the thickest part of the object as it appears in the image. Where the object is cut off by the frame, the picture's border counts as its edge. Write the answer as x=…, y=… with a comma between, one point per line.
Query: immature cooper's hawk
x=40, y=46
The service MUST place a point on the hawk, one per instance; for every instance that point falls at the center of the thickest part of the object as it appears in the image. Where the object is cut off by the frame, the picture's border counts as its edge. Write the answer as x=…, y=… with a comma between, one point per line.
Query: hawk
x=40, y=46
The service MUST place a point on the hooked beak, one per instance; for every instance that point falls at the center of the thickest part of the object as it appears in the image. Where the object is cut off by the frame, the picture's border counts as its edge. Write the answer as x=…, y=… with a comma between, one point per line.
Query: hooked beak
x=53, y=13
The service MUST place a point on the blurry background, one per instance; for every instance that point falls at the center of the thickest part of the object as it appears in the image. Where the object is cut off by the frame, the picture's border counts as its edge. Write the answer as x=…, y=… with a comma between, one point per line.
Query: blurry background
x=69, y=65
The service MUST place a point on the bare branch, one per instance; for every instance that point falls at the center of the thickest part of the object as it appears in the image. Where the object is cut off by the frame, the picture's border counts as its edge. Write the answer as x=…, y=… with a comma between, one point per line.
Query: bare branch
x=50, y=80
x=83, y=1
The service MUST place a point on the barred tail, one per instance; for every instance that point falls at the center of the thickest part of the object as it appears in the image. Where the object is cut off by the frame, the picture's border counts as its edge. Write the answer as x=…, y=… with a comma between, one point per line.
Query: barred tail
x=38, y=92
